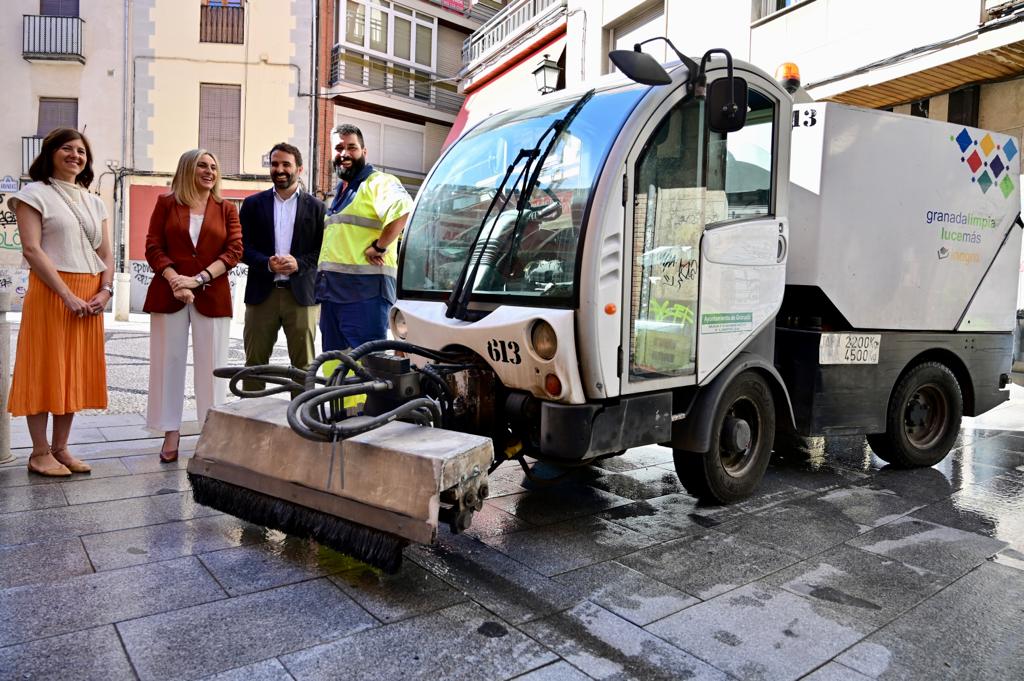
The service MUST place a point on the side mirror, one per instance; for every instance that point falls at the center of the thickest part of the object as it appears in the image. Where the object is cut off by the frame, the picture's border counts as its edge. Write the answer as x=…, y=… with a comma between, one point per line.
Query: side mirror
x=727, y=104
x=640, y=66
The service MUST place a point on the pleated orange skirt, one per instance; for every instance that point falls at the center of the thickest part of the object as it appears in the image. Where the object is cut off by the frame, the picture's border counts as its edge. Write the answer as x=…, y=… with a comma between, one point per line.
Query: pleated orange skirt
x=60, y=366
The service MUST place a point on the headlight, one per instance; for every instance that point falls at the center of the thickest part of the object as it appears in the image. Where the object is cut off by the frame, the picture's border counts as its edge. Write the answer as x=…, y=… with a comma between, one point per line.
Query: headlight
x=399, y=325
x=543, y=339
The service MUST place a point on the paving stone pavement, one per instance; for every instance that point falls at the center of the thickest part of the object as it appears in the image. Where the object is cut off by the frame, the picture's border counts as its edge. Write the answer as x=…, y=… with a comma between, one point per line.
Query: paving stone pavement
x=839, y=568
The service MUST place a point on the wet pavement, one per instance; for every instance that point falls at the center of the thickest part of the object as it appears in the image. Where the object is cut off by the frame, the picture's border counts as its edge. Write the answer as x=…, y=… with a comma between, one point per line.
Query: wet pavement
x=838, y=568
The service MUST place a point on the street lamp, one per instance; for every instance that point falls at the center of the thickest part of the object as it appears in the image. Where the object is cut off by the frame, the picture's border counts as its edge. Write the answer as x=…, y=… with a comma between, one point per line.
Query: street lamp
x=546, y=73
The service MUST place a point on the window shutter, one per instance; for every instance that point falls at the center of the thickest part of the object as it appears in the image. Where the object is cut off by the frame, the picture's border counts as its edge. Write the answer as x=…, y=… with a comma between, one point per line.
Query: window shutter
x=58, y=8
x=220, y=115
x=56, y=113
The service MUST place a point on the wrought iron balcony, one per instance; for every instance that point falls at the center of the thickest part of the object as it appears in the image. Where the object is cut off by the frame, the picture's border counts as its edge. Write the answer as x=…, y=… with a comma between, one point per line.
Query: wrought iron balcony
x=393, y=79
x=30, y=148
x=503, y=27
x=51, y=38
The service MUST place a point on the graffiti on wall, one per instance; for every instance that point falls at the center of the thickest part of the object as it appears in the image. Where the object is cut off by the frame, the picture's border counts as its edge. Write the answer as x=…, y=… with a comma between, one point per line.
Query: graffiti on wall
x=141, y=274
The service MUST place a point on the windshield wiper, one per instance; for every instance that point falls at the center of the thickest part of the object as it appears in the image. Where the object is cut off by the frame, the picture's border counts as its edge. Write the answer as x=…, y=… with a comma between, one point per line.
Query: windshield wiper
x=456, y=305
x=462, y=292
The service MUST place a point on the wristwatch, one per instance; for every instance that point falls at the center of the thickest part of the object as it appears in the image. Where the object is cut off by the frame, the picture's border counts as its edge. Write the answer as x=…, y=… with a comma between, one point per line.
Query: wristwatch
x=200, y=279
x=108, y=288
x=375, y=246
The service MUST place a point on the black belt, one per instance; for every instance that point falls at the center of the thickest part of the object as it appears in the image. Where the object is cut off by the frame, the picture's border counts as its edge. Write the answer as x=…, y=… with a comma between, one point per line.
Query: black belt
x=282, y=283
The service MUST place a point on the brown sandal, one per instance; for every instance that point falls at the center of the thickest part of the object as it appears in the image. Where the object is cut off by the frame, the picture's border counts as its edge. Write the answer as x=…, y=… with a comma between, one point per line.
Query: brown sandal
x=168, y=456
x=74, y=465
x=58, y=471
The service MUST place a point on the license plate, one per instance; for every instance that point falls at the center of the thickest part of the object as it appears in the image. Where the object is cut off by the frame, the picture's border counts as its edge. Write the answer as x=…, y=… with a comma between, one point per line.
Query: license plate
x=849, y=348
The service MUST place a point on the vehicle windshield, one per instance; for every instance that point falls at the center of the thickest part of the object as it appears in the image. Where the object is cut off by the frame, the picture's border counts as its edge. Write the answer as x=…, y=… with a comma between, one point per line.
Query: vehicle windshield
x=533, y=255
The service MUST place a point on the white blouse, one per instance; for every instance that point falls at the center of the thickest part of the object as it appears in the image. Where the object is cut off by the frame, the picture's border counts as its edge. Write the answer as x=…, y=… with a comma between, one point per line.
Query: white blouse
x=65, y=242
x=195, y=225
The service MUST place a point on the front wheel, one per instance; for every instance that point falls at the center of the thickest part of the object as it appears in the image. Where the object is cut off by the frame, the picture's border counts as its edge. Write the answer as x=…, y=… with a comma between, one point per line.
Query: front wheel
x=741, y=444
x=923, y=418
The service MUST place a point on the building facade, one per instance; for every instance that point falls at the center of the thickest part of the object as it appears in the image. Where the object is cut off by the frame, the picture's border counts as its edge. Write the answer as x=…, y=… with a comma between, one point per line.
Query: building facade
x=64, y=66
x=392, y=69
x=231, y=76
x=146, y=80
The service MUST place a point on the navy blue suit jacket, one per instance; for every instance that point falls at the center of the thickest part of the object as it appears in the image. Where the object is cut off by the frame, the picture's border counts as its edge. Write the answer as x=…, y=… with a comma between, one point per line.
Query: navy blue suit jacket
x=257, y=217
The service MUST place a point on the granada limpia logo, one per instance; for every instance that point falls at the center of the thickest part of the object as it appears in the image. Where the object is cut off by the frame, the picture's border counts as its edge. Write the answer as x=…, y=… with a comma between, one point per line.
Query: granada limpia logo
x=988, y=161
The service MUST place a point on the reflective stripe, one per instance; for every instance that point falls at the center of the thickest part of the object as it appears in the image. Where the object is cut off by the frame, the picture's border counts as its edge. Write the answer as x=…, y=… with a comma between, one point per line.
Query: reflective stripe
x=342, y=268
x=349, y=219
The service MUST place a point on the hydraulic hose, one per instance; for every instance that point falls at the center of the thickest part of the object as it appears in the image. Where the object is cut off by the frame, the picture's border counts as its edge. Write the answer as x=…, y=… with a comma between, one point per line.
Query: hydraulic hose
x=316, y=411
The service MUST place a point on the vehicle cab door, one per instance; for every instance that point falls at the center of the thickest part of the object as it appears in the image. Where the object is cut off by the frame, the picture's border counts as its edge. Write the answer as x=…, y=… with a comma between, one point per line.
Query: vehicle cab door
x=705, y=267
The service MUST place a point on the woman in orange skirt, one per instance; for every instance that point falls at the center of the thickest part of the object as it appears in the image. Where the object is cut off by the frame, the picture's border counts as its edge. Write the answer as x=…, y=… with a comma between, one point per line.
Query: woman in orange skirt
x=60, y=366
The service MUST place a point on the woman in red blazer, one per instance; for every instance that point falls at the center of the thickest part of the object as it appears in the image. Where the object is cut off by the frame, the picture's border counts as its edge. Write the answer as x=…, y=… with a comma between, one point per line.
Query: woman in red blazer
x=194, y=239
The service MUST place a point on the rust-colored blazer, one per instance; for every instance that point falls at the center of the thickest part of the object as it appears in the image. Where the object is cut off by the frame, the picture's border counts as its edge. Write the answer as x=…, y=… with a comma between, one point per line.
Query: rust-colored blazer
x=168, y=244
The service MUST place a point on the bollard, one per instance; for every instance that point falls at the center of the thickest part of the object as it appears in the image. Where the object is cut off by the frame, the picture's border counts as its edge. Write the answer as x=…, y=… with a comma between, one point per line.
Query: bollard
x=5, y=377
x=122, y=296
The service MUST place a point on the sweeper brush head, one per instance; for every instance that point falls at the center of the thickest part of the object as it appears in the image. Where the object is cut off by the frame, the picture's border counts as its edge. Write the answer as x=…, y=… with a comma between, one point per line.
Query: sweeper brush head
x=374, y=547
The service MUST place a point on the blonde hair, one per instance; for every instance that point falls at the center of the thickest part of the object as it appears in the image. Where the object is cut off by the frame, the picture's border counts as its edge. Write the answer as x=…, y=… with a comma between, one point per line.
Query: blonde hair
x=183, y=186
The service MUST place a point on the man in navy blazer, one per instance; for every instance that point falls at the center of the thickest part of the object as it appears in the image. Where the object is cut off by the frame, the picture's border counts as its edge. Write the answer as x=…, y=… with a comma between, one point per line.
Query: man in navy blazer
x=282, y=229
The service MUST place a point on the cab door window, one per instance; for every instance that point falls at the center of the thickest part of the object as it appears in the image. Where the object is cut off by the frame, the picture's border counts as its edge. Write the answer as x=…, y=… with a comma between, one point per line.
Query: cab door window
x=740, y=165
x=668, y=220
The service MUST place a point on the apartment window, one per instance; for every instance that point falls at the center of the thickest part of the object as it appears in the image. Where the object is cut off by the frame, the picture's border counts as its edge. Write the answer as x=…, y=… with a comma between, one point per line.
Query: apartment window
x=391, y=144
x=391, y=30
x=649, y=24
x=763, y=8
x=963, y=106
x=58, y=8
x=56, y=113
x=920, y=108
x=220, y=117
x=222, y=21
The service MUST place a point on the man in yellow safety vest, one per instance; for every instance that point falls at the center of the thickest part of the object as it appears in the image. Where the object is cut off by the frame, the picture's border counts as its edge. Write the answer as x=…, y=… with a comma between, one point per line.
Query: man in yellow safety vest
x=356, y=273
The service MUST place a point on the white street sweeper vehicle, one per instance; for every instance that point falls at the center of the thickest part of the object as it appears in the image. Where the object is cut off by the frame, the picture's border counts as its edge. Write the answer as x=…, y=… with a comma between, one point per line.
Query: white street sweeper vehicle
x=689, y=260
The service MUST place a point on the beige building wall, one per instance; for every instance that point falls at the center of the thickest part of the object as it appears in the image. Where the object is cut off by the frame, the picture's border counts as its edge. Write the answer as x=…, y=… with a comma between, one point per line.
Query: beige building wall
x=1002, y=108
x=269, y=68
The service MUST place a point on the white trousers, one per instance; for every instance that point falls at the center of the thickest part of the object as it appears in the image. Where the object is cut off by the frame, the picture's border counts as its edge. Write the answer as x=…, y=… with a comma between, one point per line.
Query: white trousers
x=168, y=357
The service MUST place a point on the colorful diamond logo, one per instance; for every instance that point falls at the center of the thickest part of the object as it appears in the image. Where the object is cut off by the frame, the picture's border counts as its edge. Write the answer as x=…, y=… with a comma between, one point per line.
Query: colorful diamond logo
x=1011, y=149
x=985, y=181
x=974, y=161
x=997, y=167
x=987, y=144
x=1006, y=186
x=964, y=139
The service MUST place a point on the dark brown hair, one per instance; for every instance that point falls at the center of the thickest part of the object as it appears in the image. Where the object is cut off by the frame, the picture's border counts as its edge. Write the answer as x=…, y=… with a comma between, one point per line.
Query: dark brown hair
x=288, y=149
x=349, y=129
x=41, y=169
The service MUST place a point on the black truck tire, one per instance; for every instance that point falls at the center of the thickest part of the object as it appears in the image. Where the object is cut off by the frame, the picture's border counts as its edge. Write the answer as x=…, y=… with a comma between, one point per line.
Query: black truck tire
x=922, y=419
x=729, y=471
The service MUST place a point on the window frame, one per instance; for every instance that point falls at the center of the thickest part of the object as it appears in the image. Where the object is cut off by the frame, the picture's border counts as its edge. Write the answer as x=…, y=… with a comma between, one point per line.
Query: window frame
x=222, y=33
x=53, y=100
x=416, y=18
x=772, y=186
x=60, y=12
x=225, y=169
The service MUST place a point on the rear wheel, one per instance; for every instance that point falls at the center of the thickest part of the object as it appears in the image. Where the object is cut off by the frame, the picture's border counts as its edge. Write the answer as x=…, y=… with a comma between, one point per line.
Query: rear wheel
x=741, y=444
x=923, y=418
